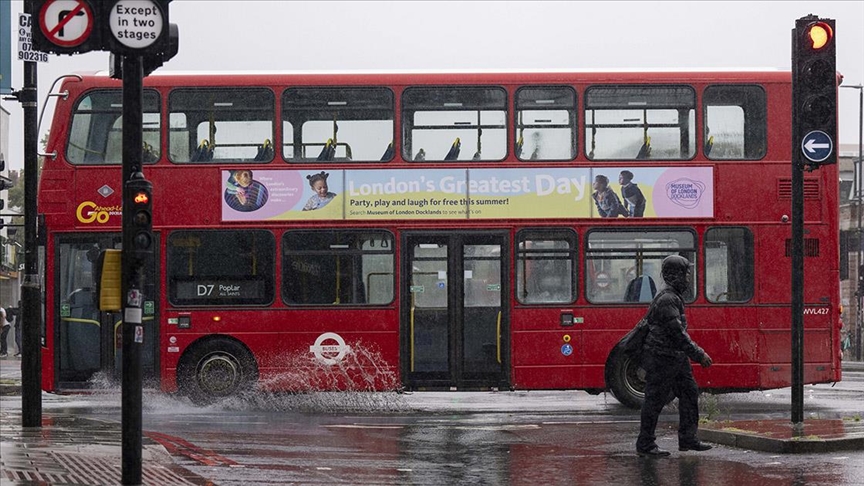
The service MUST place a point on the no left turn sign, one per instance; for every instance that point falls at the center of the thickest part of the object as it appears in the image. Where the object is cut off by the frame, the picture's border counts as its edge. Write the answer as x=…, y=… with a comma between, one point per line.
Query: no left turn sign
x=66, y=23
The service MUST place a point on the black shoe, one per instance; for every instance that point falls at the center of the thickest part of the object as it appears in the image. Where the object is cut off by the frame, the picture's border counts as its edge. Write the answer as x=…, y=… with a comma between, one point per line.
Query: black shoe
x=653, y=452
x=696, y=446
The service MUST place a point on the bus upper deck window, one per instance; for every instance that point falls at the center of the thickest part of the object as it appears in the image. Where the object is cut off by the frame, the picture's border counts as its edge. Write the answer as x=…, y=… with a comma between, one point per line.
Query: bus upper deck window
x=545, y=123
x=96, y=135
x=337, y=124
x=221, y=125
x=632, y=122
x=735, y=122
x=453, y=123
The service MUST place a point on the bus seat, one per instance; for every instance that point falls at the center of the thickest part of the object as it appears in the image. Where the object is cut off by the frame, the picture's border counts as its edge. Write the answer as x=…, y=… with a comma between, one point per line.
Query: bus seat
x=709, y=145
x=265, y=152
x=645, y=150
x=421, y=155
x=453, y=154
x=388, y=154
x=328, y=151
x=640, y=289
x=203, y=153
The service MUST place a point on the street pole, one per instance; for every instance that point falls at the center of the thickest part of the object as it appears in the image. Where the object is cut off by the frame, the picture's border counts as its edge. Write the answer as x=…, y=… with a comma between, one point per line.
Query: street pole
x=797, y=304
x=132, y=285
x=31, y=318
x=859, y=188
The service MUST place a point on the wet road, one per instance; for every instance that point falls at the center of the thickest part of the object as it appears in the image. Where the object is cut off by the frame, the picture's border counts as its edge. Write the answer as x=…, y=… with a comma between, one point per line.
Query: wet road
x=516, y=438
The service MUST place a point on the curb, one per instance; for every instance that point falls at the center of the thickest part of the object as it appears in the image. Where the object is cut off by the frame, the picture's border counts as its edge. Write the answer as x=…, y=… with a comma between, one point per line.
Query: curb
x=780, y=446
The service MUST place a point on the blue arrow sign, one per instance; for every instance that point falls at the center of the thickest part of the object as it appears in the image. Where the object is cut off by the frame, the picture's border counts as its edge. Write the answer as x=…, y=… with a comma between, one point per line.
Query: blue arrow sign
x=817, y=146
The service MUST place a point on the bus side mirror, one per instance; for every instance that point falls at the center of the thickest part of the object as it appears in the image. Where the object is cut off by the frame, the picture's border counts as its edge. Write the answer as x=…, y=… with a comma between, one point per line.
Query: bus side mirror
x=109, y=281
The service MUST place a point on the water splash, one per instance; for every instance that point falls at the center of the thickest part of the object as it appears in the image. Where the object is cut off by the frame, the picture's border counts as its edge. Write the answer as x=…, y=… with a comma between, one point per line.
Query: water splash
x=361, y=382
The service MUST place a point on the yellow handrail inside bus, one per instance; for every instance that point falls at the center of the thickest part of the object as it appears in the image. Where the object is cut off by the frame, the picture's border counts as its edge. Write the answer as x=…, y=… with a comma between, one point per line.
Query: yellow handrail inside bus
x=212, y=129
x=338, y=281
x=411, y=323
x=82, y=321
x=498, y=336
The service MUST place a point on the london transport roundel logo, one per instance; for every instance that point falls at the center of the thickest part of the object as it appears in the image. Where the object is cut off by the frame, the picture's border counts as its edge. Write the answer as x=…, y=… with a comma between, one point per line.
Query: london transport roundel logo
x=330, y=348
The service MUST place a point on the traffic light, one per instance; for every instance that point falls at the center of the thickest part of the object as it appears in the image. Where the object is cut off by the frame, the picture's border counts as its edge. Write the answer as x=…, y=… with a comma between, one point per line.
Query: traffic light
x=814, y=90
x=60, y=27
x=138, y=231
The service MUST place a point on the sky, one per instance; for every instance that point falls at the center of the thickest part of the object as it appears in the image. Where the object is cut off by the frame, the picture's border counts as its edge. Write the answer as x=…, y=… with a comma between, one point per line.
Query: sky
x=249, y=35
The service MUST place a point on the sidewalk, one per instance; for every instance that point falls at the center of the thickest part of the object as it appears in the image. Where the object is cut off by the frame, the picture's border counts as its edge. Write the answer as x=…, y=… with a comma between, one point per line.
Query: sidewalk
x=779, y=436
x=69, y=450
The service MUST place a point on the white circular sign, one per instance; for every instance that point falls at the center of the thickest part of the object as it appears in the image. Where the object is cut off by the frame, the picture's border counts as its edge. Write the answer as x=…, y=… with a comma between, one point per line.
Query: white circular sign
x=330, y=353
x=66, y=23
x=136, y=24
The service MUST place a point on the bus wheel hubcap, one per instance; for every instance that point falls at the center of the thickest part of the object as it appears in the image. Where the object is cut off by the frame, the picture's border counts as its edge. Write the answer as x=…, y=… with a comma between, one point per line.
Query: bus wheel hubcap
x=634, y=378
x=218, y=374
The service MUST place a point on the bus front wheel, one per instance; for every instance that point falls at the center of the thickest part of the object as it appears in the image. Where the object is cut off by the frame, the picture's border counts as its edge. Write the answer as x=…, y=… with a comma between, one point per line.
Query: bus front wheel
x=214, y=369
x=625, y=378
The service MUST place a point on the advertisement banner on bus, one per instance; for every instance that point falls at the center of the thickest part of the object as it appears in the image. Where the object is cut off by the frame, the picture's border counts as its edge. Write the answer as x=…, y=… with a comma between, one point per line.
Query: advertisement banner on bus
x=482, y=193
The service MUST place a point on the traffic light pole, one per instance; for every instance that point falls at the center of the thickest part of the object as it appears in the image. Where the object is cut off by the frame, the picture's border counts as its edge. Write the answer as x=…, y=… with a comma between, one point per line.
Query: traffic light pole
x=797, y=326
x=31, y=317
x=133, y=275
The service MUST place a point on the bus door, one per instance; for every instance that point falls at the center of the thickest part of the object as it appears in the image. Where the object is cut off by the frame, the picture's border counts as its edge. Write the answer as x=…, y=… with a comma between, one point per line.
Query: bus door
x=455, y=320
x=87, y=340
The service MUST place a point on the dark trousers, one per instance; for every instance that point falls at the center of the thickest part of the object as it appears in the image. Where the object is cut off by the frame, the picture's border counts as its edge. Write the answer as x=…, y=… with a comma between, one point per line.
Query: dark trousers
x=664, y=375
x=3, y=334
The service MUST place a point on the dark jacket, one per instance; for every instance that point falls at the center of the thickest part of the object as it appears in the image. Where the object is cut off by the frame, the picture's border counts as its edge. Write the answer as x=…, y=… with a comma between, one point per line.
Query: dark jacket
x=634, y=200
x=608, y=205
x=667, y=328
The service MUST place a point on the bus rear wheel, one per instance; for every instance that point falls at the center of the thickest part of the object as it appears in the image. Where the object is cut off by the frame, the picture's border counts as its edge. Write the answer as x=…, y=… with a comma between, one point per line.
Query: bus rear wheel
x=625, y=379
x=215, y=369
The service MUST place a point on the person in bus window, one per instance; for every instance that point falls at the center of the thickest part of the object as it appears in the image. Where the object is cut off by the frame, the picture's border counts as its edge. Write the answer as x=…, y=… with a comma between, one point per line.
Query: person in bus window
x=608, y=204
x=244, y=193
x=666, y=355
x=322, y=195
x=634, y=200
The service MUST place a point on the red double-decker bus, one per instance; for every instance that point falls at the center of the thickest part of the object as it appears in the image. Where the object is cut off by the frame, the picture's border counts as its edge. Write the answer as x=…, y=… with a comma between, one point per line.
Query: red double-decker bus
x=437, y=231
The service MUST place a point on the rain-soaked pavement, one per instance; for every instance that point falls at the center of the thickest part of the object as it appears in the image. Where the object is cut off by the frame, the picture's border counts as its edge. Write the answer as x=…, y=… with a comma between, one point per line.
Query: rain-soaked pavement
x=427, y=438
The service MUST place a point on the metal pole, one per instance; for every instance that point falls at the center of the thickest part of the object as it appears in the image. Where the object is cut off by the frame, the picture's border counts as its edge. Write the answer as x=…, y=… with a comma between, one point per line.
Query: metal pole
x=860, y=187
x=133, y=92
x=797, y=331
x=31, y=318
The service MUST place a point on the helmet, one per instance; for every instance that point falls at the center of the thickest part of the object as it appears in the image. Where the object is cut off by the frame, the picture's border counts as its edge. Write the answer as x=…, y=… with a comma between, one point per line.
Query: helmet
x=675, y=271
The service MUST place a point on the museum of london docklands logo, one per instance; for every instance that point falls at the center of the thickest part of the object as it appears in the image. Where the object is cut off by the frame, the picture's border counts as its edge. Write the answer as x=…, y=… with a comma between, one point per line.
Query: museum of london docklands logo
x=685, y=192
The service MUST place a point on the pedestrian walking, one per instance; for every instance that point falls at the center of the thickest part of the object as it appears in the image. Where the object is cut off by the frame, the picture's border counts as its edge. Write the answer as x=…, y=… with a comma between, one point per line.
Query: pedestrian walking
x=4, y=333
x=666, y=357
x=15, y=314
